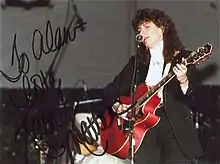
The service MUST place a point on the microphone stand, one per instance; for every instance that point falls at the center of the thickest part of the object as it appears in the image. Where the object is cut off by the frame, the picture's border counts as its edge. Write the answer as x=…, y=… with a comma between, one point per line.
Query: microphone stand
x=133, y=110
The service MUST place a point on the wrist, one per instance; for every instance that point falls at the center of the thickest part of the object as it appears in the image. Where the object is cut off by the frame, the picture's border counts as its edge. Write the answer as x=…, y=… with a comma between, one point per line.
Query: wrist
x=184, y=85
x=185, y=81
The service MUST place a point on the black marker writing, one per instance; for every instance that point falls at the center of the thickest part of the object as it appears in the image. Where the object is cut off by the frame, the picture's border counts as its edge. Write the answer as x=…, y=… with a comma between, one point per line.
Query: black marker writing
x=42, y=85
x=53, y=42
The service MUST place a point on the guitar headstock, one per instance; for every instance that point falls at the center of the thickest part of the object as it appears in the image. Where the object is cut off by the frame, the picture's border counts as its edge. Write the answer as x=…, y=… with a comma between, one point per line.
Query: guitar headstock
x=200, y=54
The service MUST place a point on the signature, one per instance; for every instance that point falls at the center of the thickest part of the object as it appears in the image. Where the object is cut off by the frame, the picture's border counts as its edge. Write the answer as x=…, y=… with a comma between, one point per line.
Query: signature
x=53, y=42
x=51, y=120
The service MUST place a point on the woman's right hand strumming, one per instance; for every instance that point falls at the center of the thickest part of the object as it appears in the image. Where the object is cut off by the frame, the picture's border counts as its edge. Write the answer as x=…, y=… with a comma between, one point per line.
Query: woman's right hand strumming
x=118, y=108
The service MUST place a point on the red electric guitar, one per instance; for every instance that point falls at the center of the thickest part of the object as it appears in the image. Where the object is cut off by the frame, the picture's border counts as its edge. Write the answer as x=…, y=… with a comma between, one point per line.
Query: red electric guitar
x=115, y=139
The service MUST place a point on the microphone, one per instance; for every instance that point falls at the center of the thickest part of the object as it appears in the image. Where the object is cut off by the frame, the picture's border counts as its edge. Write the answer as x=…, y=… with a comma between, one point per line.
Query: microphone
x=139, y=38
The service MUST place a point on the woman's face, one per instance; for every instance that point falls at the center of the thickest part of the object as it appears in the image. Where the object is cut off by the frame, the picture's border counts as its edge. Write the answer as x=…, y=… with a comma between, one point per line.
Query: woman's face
x=151, y=33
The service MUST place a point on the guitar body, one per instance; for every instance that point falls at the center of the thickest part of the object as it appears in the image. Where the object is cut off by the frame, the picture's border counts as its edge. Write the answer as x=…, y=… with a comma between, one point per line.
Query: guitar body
x=115, y=139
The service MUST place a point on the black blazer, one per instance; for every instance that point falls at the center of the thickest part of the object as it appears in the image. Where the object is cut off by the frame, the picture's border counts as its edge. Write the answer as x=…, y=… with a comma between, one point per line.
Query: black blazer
x=176, y=103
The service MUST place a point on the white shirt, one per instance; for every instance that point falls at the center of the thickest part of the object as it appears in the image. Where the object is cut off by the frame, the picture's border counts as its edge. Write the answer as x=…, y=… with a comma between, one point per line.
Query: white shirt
x=156, y=65
x=155, y=72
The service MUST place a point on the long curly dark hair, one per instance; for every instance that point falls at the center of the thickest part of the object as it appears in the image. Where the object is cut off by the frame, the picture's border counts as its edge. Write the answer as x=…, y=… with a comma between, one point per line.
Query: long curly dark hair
x=172, y=42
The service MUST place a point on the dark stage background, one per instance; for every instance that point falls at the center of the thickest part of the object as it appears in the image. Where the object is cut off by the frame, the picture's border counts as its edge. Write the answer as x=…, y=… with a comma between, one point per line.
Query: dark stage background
x=206, y=112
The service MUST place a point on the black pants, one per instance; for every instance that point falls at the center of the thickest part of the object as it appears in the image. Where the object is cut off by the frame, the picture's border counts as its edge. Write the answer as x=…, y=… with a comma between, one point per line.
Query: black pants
x=160, y=146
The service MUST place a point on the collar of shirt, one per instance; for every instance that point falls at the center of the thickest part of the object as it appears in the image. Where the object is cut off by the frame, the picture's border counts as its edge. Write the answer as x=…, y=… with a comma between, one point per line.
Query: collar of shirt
x=157, y=52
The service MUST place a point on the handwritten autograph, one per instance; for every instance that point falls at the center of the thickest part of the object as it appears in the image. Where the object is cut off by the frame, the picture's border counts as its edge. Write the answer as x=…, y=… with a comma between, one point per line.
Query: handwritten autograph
x=43, y=84
x=53, y=42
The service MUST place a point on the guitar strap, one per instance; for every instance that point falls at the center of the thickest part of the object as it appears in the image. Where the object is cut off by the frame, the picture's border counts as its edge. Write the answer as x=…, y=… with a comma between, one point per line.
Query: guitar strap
x=167, y=69
x=165, y=73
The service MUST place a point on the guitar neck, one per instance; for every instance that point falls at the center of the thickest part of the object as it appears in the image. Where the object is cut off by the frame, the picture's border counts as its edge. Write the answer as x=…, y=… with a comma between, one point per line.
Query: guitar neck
x=156, y=88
